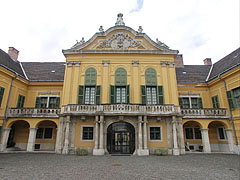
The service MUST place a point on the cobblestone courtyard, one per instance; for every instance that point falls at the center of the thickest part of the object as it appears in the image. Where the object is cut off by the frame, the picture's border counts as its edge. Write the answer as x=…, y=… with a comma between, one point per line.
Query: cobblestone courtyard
x=51, y=166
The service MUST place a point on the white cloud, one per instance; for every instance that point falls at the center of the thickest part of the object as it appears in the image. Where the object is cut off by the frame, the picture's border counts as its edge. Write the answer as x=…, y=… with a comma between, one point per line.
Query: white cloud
x=197, y=28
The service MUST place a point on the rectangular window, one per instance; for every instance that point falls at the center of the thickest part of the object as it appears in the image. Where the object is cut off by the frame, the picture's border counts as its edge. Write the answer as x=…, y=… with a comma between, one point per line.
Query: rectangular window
x=20, y=102
x=44, y=133
x=89, y=95
x=234, y=98
x=221, y=133
x=155, y=133
x=119, y=94
x=215, y=102
x=47, y=102
x=87, y=133
x=193, y=133
x=151, y=95
x=1, y=94
x=190, y=102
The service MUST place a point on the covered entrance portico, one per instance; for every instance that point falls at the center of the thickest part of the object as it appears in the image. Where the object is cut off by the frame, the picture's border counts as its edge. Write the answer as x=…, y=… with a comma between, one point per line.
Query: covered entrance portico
x=121, y=138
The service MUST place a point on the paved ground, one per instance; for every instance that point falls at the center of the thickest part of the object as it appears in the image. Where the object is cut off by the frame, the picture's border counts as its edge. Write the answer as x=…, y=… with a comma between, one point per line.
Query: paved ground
x=51, y=166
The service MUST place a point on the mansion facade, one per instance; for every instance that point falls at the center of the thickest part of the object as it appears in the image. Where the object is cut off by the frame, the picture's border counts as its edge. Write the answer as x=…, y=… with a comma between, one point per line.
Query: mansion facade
x=120, y=92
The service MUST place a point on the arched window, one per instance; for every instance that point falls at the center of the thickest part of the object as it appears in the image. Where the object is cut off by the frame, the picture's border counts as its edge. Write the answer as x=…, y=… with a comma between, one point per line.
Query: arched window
x=151, y=93
x=120, y=92
x=120, y=77
x=151, y=77
x=90, y=76
x=89, y=93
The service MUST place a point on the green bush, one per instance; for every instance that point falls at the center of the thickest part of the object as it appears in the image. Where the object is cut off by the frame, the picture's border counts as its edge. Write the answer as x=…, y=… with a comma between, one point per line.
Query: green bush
x=161, y=152
x=81, y=152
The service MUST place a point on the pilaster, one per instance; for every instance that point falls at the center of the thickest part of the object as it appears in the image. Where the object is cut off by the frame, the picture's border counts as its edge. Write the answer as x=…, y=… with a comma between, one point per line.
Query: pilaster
x=6, y=132
x=31, y=139
x=205, y=141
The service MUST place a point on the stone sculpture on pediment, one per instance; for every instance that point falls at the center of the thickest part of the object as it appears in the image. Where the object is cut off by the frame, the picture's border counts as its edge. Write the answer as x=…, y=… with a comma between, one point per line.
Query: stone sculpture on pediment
x=120, y=41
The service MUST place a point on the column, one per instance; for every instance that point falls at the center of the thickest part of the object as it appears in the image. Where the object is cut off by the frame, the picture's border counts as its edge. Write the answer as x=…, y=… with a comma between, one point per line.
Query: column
x=58, y=148
x=181, y=137
x=96, y=133
x=175, y=143
x=205, y=141
x=73, y=134
x=31, y=139
x=66, y=141
x=140, y=132
x=6, y=132
x=169, y=135
x=145, y=133
x=230, y=140
x=101, y=132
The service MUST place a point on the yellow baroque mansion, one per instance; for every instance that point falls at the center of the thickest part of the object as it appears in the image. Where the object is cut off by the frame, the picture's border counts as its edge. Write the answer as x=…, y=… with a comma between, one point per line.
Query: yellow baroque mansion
x=120, y=92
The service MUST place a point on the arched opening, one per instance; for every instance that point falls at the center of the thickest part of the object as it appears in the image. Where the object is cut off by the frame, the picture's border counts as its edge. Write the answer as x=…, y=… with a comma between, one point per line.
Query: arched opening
x=121, y=138
x=18, y=136
x=217, y=137
x=46, y=136
x=192, y=136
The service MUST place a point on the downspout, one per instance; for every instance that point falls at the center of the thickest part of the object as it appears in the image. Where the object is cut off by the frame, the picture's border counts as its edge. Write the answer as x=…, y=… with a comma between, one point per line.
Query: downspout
x=6, y=110
x=233, y=125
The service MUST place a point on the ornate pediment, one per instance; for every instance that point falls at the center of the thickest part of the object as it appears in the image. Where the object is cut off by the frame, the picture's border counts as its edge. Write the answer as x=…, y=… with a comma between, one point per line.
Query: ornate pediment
x=120, y=41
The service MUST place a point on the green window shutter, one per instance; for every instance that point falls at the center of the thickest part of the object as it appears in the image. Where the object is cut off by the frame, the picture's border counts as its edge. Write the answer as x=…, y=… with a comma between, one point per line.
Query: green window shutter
x=112, y=94
x=181, y=102
x=57, y=102
x=151, y=77
x=98, y=95
x=230, y=99
x=199, y=100
x=128, y=93
x=160, y=95
x=80, y=94
x=217, y=102
x=1, y=94
x=90, y=76
x=121, y=77
x=143, y=94
x=213, y=102
x=18, y=102
x=37, y=103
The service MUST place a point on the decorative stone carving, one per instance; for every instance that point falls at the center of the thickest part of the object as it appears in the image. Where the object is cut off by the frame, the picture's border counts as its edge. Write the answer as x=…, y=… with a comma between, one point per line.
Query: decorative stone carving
x=135, y=63
x=105, y=63
x=140, y=29
x=161, y=44
x=120, y=20
x=101, y=29
x=82, y=41
x=120, y=41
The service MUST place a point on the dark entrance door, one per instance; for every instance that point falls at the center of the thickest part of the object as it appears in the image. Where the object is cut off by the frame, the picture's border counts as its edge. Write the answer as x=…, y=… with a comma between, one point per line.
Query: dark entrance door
x=121, y=138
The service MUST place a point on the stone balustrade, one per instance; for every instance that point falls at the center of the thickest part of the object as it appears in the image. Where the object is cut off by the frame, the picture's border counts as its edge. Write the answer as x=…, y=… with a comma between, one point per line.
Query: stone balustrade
x=33, y=112
x=121, y=109
x=204, y=113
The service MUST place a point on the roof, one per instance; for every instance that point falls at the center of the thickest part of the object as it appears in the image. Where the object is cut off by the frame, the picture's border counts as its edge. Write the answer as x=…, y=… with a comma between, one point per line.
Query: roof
x=192, y=73
x=44, y=71
x=225, y=64
x=7, y=62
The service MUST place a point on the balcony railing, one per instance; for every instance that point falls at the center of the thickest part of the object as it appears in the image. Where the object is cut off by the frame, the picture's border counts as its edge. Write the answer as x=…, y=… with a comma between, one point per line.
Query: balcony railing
x=121, y=109
x=33, y=112
x=204, y=113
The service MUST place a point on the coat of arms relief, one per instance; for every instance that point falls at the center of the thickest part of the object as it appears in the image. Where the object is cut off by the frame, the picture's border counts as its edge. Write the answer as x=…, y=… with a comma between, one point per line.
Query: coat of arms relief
x=120, y=41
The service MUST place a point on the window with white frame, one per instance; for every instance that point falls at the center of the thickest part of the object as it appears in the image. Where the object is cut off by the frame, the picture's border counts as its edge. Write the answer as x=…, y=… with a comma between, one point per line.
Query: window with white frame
x=87, y=133
x=44, y=133
x=193, y=133
x=221, y=133
x=155, y=133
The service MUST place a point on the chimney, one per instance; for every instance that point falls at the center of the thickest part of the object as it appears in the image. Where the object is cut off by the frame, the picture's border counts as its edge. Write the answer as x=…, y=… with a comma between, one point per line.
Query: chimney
x=207, y=61
x=179, y=60
x=13, y=53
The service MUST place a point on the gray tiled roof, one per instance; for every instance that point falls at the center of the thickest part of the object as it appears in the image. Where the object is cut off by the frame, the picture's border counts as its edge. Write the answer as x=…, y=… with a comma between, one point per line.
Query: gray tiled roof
x=226, y=63
x=7, y=62
x=192, y=73
x=44, y=71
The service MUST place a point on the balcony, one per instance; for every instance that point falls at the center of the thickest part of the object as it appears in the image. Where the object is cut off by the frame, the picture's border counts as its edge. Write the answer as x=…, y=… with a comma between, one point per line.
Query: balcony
x=33, y=112
x=205, y=113
x=121, y=109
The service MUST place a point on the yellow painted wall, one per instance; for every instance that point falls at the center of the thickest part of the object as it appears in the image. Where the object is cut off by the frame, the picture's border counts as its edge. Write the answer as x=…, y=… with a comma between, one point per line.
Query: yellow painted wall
x=75, y=75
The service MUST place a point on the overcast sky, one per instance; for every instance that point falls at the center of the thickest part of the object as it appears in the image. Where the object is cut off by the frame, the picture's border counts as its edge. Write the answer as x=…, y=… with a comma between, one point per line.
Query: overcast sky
x=199, y=29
